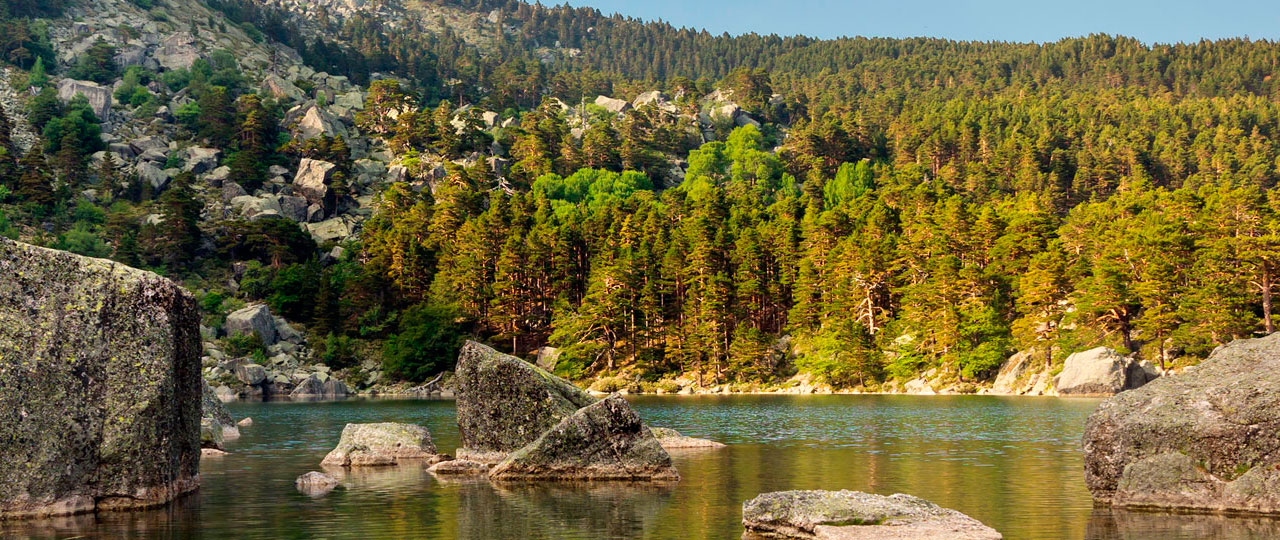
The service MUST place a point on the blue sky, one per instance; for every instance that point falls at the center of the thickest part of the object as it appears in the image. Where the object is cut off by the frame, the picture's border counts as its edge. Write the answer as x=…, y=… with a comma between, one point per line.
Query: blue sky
x=1151, y=21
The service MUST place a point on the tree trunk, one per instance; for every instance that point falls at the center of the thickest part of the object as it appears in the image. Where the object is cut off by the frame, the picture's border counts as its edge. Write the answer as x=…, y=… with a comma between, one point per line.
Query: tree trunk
x=1266, y=297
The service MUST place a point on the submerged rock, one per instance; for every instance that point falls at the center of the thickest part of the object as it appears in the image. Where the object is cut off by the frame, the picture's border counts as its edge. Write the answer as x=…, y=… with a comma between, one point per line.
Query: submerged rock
x=459, y=467
x=505, y=403
x=853, y=514
x=603, y=441
x=1207, y=439
x=671, y=439
x=1100, y=372
x=388, y=443
x=315, y=483
x=101, y=376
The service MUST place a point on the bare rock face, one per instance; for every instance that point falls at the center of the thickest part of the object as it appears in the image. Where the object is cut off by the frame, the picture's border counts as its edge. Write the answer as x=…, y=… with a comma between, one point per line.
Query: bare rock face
x=388, y=443
x=1100, y=372
x=1206, y=439
x=836, y=515
x=505, y=403
x=602, y=441
x=100, y=387
x=613, y=105
x=99, y=96
x=177, y=51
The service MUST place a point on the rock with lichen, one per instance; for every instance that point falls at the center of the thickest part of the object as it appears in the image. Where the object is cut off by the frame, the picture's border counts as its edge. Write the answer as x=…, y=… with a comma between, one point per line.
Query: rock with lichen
x=602, y=441
x=505, y=403
x=386, y=443
x=853, y=514
x=101, y=390
x=1206, y=439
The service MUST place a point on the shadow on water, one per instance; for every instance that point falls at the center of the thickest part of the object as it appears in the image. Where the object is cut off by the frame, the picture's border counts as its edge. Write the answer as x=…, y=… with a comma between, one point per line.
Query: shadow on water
x=1011, y=463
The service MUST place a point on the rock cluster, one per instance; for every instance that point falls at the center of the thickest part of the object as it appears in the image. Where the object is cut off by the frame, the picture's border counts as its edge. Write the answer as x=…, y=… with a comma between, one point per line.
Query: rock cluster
x=853, y=514
x=671, y=439
x=101, y=395
x=505, y=403
x=1206, y=439
x=536, y=426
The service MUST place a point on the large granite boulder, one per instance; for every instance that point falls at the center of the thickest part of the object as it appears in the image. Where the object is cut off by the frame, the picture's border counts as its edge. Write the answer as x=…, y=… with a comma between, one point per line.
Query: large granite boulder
x=255, y=319
x=505, y=403
x=1024, y=373
x=99, y=96
x=388, y=443
x=1205, y=439
x=1100, y=372
x=312, y=181
x=602, y=441
x=100, y=390
x=853, y=514
x=613, y=105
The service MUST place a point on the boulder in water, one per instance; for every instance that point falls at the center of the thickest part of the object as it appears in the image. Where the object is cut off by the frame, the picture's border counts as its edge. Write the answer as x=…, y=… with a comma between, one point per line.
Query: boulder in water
x=505, y=403
x=671, y=439
x=387, y=443
x=101, y=376
x=459, y=467
x=853, y=514
x=1206, y=439
x=603, y=441
x=315, y=483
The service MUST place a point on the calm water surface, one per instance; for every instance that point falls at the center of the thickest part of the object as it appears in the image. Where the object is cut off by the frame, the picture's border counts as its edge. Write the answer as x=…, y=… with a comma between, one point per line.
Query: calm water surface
x=1013, y=463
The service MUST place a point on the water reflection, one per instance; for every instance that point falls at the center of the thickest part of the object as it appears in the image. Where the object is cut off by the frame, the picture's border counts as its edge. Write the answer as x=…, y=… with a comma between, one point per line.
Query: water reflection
x=1011, y=463
x=1115, y=524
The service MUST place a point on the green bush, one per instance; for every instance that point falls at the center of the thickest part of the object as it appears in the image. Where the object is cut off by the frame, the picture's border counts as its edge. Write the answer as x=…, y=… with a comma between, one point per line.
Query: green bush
x=243, y=345
x=337, y=351
x=427, y=343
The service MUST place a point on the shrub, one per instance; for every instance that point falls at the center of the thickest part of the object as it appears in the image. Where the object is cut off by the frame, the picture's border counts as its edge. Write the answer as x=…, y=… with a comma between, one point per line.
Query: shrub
x=243, y=345
x=337, y=351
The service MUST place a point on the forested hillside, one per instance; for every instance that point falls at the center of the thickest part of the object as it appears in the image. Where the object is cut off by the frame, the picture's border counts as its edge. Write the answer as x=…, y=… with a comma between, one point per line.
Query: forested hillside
x=661, y=204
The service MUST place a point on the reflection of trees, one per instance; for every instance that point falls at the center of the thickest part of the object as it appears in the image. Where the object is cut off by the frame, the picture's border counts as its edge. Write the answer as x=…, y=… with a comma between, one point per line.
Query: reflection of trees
x=1114, y=524
x=535, y=511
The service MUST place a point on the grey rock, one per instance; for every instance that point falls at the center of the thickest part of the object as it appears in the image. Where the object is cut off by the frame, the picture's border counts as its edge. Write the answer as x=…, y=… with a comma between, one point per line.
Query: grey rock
x=505, y=403
x=854, y=514
x=281, y=89
x=152, y=174
x=312, y=181
x=201, y=160
x=388, y=443
x=294, y=208
x=252, y=319
x=602, y=441
x=232, y=191
x=329, y=230
x=613, y=105
x=459, y=467
x=101, y=377
x=99, y=96
x=671, y=439
x=316, y=122
x=251, y=374
x=177, y=51
x=1206, y=439
x=218, y=176
x=1099, y=372
x=548, y=357
x=315, y=483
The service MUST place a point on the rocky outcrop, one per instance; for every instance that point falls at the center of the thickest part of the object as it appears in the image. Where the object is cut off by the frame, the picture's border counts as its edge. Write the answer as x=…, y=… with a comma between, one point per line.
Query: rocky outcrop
x=101, y=395
x=1100, y=372
x=177, y=51
x=853, y=514
x=602, y=441
x=1206, y=439
x=281, y=89
x=671, y=439
x=1023, y=374
x=99, y=96
x=388, y=443
x=505, y=403
x=612, y=105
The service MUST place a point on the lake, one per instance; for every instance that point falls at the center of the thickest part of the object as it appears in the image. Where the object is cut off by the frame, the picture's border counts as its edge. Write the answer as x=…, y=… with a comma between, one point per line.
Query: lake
x=1013, y=463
